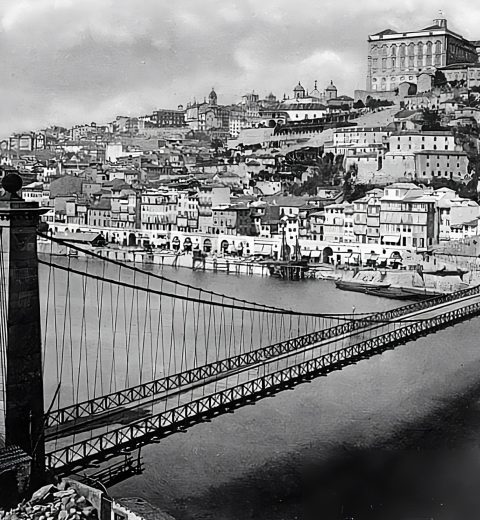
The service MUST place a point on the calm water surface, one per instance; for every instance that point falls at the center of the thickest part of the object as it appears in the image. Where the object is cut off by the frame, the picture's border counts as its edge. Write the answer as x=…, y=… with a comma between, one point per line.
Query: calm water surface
x=396, y=436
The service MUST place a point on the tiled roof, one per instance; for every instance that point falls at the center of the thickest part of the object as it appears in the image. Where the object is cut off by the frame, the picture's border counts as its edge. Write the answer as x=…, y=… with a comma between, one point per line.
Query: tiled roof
x=11, y=457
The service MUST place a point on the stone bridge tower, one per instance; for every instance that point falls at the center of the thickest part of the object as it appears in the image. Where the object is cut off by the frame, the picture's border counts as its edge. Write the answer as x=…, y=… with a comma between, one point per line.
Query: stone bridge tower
x=21, y=380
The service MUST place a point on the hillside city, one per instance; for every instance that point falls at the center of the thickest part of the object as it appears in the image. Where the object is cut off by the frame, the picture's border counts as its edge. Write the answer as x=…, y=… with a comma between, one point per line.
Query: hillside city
x=339, y=179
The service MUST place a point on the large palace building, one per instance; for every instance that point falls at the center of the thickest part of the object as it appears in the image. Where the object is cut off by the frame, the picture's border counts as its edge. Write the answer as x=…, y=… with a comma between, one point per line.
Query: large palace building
x=394, y=57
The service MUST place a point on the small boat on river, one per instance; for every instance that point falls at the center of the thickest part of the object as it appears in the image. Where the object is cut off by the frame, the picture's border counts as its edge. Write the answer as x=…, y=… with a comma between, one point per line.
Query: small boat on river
x=359, y=286
x=394, y=293
x=422, y=293
x=363, y=280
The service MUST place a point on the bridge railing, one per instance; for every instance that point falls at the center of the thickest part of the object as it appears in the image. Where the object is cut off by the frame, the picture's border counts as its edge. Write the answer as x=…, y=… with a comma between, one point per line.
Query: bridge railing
x=92, y=407
x=168, y=421
x=425, y=304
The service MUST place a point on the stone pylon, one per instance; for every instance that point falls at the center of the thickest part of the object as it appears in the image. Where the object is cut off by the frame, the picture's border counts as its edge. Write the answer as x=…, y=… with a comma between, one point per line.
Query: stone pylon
x=21, y=378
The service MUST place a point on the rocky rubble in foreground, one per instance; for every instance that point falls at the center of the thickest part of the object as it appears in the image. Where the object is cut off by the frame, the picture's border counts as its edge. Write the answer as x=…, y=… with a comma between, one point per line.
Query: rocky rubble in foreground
x=53, y=502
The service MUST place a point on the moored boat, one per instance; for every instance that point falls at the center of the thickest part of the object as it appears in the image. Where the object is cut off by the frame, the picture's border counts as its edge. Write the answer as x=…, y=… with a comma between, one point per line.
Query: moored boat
x=359, y=286
x=422, y=292
x=395, y=293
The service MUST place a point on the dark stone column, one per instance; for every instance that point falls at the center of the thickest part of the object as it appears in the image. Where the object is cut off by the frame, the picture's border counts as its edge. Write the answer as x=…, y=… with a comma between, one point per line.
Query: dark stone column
x=21, y=380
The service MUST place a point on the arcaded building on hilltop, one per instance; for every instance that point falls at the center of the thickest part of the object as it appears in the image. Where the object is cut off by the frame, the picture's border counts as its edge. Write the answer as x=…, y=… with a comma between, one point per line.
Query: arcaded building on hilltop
x=394, y=57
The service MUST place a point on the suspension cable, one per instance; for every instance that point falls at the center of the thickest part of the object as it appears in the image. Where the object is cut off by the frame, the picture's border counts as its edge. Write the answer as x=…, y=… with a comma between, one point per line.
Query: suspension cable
x=154, y=275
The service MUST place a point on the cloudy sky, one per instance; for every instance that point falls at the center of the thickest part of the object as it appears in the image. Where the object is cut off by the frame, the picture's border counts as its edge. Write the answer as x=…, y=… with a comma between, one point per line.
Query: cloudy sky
x=72, y=61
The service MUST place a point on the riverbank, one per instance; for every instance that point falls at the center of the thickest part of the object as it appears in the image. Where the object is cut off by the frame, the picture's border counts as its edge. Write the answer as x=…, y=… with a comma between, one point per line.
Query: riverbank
x=71, y=499
x=402, y=283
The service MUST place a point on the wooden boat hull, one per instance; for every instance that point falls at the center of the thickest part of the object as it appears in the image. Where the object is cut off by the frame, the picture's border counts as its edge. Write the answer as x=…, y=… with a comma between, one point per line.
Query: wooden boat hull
x=359, y=286
x=421, y=293
x=393, y=293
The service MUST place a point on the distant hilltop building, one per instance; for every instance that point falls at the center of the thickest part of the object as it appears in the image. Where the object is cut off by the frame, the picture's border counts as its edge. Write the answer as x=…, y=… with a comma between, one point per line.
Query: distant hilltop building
x=305, y=105
x=398, y=57
x=302, y=95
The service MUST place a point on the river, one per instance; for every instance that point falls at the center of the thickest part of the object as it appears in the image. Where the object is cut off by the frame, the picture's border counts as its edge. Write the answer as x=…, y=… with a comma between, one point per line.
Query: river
x=395, y=436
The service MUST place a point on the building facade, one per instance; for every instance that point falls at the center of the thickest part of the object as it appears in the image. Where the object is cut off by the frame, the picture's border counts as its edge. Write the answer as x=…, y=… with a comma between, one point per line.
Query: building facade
x=169, y=118
x=395, y=57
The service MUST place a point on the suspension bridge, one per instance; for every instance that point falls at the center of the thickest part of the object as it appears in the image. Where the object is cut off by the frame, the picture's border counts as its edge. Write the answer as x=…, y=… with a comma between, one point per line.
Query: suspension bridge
x=98, y=358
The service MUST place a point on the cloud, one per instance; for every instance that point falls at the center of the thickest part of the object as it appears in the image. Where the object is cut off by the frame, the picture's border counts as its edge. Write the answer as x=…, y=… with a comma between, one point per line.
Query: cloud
x=70, y=61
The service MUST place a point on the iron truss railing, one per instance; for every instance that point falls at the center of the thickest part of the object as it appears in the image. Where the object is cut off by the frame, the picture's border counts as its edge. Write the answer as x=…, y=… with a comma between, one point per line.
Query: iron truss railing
x=111, y=401
x=142, y=391
x=138, y=433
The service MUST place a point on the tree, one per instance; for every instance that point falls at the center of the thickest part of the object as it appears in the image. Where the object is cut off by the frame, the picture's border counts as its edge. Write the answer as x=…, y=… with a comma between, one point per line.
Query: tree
x=439, y=80
x=431, y=120
x=373, y=103
x=359, y=104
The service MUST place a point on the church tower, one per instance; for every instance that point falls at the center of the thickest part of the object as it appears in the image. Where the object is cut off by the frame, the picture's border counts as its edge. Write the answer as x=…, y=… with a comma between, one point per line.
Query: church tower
x=212, y=97
x=299, y=91
x=331, y=91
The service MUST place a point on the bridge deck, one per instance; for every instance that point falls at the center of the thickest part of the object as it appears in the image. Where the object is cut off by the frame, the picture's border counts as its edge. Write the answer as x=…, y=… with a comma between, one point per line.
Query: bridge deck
x=58, y=421
x=189, y=404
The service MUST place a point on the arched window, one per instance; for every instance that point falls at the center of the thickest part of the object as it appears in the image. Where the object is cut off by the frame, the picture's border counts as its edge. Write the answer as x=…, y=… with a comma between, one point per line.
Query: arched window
x=384, y=50
x=374, y=50
x=411, y=55
x=429, y=53
x=438, y=47
x=420, y=50
x=393, y=50
x=402, y=49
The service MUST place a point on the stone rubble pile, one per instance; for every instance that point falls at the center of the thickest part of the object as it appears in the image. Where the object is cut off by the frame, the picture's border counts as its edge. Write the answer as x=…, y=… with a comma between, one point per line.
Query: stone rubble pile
x=51, y=503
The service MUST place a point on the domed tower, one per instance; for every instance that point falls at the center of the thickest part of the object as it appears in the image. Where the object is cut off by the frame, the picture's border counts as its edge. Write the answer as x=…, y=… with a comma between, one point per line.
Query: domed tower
x=299, y=91
x=315, y=93
x=271, y=98
x=331, y=91
x=212, y=97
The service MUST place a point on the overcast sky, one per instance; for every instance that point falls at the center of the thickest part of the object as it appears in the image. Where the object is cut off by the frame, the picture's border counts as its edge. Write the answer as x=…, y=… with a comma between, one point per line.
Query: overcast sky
x=72, y=61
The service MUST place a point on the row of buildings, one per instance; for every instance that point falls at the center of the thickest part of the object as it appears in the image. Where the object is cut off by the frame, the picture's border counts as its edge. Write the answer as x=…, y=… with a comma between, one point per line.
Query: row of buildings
x=403, y=215
x=223, y=172
x=217, y=120
x=384, y=155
